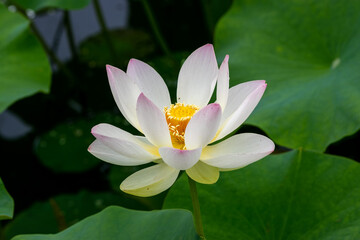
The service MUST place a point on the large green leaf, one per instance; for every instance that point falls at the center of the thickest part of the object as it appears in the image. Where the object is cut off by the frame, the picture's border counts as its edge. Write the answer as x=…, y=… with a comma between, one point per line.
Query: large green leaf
x=24, y=67
x=6, y=203
x=308, y=51
x=61, y=212
x=295, y=195
x=63, y=4
x=120, y=223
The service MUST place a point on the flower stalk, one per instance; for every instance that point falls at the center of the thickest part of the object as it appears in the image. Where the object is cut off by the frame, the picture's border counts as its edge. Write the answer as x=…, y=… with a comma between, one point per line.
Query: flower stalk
x=196, y=208
x=70, y=34
x=104, y=30
x=154, y=26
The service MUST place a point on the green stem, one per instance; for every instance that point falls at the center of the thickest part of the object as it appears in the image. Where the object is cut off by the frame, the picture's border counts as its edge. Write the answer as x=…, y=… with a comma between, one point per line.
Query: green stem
x=70, y=34
x=59, y=215
x=52, y=55
x=155, y=27
x=104, y=30
x=1, y=232
x=196, y=208
x=49, y=52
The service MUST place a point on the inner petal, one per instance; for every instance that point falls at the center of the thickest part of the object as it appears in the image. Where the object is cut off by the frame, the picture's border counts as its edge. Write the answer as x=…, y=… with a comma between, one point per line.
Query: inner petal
x=177, y=117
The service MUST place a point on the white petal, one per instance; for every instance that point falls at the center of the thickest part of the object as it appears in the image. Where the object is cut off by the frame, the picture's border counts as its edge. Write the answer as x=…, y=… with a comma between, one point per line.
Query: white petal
x=148, y=146
x=153, y=123
x=149, y=82
x=197, y=77
x=222, y=89
x=103, y=152
x=150, y=181
x=124, y=143
x=242, y=100
x=203, y=173
x=203, y=126
x=125, y=93
x=238, y=151
x=180, y=159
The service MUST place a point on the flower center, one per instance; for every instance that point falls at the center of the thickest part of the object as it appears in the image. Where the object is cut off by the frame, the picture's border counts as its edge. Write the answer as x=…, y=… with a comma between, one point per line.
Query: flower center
x=177, y=117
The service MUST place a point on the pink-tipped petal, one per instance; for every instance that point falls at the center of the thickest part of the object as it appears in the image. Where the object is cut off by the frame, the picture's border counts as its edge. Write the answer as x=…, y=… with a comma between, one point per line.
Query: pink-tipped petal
x=238, y=151
x=153, y=123
x=180, y=159
x=125, y=93
x=150, y=181
x=123, y=142
x=203, y=126
x=197, y=77
x=149, y=82
x=203, y=173
x=242, y=100
x=222, y=89
x=107, y=154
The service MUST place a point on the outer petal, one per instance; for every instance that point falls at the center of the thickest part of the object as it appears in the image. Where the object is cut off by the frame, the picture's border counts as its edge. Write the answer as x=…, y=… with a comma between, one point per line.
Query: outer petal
x=242, y=100
x=222, y=89
x=203, y=173
x=103, y=152
x=203, y=126
x=153, y=122
x=197, y=77
x=125, y=93
x=124, y=143
x=150, y=181
x=149, y=82
x=238, y=151
x=180, y=159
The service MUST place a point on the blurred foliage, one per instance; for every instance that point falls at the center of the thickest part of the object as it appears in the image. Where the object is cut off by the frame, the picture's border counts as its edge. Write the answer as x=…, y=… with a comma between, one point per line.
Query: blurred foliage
x=129, y=42
x=37, y=5
x=24, y=68
x=6, y=203
x=294, y=195
x=117, y=223
x=308, y=53
x=213, y=10
x=183, y=24
x=62, y=148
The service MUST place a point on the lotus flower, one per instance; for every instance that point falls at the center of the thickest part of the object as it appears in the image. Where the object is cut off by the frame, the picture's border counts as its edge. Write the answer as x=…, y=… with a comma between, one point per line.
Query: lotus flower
x=176, y=136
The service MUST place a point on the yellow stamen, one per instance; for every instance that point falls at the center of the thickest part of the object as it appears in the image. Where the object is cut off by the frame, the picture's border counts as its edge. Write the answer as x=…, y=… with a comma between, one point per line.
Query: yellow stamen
x=177, y=117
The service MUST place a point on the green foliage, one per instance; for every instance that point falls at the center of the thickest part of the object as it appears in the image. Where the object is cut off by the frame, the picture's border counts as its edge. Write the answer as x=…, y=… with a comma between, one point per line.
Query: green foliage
x=6, y=203
x=128, y=44
x=213, y=10
x=120, y=223
x=24, y=67
x=308, y=51
x=61, y=212
x=63, y=149
x=295, y=195
x=41, y=4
